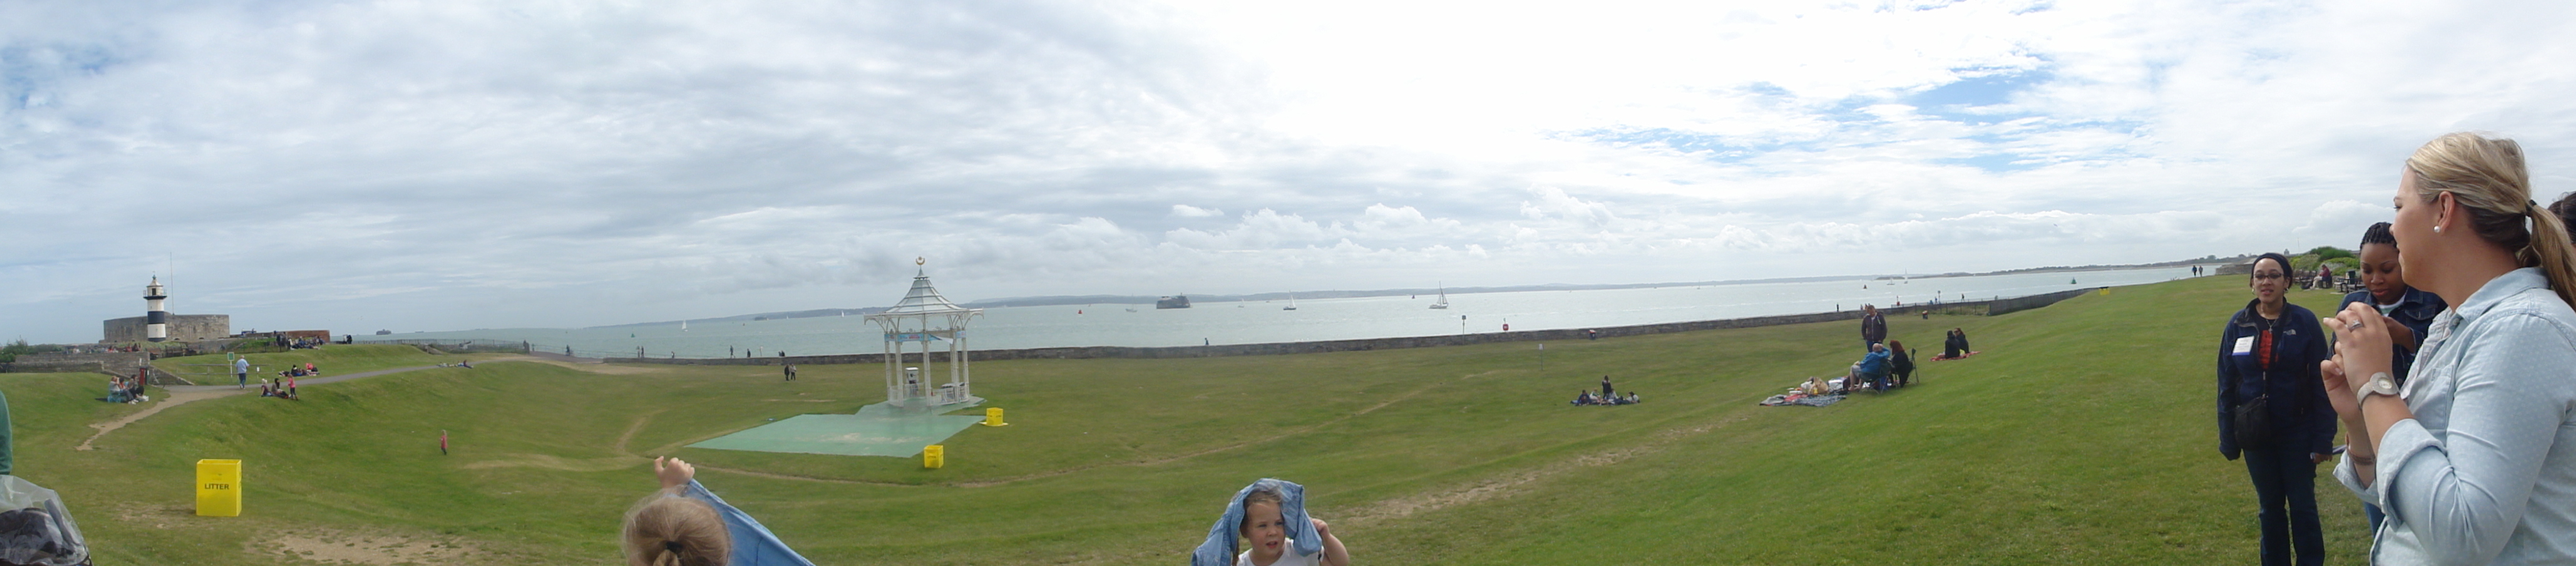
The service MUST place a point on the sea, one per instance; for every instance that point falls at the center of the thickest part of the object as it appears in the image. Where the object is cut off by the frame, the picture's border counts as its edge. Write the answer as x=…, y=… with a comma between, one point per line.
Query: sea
x=1253, y=322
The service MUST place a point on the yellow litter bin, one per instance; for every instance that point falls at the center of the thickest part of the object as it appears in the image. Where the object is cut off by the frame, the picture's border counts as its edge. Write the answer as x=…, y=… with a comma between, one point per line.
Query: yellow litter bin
x=219, y=488
x=993, y=417
x=934, y=456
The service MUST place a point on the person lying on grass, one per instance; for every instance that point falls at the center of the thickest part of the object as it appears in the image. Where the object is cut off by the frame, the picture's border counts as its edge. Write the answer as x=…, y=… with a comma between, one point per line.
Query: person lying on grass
x=1270, y=518
x=683, y=524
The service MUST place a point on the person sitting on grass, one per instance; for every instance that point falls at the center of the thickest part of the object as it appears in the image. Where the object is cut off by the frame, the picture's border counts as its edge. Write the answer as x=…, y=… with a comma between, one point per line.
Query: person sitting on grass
x=1955, y=345
x=1632, y=397
x=1900, y=363
x=1271, y=516
x=265, y=390
x=1872, y=368
x=683, y=524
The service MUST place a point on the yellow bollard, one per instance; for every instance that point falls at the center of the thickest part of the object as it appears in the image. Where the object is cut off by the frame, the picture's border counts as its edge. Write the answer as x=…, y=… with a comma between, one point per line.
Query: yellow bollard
x=2106, y=291
x=993, y=417
x=934, y=456
x=219, y=488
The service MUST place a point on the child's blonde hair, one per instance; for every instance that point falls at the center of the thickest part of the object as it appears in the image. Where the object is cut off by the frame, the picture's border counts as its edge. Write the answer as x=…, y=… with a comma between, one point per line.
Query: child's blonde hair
x=668, y=530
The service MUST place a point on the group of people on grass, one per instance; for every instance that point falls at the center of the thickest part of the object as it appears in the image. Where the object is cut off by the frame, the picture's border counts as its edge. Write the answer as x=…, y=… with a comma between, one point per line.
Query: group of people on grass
x=279, y=388
x=121, y=389
x=1607, y=397
x=1886, y=363
x=2449, y=373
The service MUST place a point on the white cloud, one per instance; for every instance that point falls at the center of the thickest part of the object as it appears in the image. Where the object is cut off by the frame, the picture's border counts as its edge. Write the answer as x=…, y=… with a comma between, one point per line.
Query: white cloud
x=561, y=164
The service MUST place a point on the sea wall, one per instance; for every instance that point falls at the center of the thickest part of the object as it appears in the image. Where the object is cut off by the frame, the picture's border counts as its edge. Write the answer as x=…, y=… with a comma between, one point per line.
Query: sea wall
x=1987, y=307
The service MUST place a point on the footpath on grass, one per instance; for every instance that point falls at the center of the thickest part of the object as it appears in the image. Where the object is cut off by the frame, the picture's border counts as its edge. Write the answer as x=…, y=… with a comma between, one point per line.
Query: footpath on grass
x=184, y=394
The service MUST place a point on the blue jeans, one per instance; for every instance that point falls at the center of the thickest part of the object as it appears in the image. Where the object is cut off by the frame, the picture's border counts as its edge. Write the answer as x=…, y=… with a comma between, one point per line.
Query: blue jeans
x=2372, y=511
x=2285, y=488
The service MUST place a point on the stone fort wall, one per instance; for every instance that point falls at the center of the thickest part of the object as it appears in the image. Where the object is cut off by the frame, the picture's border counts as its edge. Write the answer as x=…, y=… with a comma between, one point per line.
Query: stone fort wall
x=183, y=328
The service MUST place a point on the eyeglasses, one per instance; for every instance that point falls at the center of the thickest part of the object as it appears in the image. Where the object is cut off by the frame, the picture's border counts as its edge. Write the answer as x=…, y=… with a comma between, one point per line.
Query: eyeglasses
x=2271, y=276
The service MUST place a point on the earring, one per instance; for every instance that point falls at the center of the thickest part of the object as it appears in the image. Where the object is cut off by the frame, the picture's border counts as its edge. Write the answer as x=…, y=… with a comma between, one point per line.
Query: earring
x=2437, y=229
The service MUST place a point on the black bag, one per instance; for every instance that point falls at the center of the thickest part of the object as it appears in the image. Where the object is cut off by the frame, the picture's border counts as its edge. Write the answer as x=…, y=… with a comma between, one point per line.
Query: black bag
x=2254, y=423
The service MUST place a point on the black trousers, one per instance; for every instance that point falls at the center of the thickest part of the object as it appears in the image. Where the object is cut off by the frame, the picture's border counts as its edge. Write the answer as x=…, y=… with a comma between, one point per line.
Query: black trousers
x=2285, y=489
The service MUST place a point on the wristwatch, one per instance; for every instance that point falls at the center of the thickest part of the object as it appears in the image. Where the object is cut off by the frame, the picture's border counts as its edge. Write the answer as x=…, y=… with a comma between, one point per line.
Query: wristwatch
x=2379, y=384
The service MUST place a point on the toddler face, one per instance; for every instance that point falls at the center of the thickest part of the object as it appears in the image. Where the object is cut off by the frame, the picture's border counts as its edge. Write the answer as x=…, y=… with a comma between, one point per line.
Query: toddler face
x=1265, y=528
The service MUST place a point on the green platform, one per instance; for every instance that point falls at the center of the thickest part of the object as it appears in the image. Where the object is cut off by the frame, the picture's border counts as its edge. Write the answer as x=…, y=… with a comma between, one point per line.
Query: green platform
x=878, y=430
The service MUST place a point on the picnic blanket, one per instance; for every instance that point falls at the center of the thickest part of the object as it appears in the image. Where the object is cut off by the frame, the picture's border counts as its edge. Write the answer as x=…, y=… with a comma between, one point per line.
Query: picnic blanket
x=1786, y=399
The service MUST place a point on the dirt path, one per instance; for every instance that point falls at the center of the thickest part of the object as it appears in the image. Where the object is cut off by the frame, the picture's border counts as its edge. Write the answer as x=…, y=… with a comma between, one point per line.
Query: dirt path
x=174, y=399
x=183, y=394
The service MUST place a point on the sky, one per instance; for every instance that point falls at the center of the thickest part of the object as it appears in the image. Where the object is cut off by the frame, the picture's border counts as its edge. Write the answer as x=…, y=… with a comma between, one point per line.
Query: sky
x=446, y=165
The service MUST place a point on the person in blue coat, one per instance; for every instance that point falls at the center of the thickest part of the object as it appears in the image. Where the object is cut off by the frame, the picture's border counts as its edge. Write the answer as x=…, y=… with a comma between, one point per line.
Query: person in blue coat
x=2272, y=411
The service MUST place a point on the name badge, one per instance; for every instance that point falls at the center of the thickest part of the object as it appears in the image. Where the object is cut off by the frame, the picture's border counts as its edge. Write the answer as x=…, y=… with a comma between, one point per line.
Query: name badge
x=2245, y=345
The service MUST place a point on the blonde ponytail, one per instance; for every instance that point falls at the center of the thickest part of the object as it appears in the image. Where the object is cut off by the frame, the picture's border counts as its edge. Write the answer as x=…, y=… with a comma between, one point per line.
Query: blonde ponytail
x=2489, y=179
x=2552, y=252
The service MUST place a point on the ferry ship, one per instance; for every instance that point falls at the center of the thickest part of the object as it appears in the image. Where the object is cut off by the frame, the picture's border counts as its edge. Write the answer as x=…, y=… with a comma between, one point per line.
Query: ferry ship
x=1173, y=302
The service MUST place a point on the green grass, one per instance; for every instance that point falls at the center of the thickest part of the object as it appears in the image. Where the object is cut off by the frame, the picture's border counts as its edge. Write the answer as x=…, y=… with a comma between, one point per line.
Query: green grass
x=2084, y=434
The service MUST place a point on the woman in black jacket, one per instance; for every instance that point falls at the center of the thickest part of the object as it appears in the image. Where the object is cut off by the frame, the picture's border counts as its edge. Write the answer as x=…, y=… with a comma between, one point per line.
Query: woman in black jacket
x=2272, y=410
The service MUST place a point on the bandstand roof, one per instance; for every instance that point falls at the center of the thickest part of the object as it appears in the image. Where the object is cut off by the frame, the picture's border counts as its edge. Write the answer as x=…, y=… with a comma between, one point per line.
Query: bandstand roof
x=923, y=299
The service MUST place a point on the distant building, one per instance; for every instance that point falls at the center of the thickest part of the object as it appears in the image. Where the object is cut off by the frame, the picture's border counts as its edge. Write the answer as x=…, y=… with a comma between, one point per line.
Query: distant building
x=157, y=324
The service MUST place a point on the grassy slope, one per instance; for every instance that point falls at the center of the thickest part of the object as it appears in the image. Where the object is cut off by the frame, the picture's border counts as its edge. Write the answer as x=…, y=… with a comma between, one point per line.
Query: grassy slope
x=2083, y=435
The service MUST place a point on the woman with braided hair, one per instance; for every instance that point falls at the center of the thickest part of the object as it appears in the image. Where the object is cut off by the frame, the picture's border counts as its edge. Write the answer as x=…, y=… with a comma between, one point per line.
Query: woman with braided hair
x=683, y=524
x=2474, y=458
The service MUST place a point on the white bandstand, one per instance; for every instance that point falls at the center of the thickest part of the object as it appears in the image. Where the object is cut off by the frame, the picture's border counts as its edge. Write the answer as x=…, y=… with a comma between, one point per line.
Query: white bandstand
x=924, y=317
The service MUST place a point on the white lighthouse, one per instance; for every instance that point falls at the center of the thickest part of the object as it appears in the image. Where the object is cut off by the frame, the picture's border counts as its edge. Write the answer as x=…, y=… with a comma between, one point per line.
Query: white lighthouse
x=156, y=318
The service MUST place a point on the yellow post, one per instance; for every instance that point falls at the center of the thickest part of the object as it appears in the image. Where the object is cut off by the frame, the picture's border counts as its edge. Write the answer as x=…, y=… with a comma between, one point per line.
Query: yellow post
x=2106, y=291
x=219, y=488
x=934, y=456
x=993, y=417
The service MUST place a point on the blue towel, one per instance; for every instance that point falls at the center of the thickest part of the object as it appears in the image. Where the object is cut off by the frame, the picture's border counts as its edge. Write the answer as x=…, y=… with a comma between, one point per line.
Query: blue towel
x=1220, y=548
x=753, y=544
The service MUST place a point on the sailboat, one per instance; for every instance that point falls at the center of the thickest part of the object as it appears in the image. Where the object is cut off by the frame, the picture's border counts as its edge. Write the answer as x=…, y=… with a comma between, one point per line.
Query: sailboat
x=1444, y=298
x=1292, y=302
x=684, y=326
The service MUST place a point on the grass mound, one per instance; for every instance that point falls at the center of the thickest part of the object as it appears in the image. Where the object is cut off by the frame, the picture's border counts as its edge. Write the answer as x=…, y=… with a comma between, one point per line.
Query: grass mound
x=2083, y=434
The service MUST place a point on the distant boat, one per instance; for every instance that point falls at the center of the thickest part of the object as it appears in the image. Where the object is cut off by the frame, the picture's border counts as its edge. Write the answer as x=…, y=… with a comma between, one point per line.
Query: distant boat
x=684, y=326
x=1173, y=302
x=1444, y=297
x=1131, y=310
x=1292, y=302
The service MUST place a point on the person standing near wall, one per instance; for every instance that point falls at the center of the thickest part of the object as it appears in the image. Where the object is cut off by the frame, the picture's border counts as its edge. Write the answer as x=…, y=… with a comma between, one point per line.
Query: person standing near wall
x=2272, y=414
x=1873, y=327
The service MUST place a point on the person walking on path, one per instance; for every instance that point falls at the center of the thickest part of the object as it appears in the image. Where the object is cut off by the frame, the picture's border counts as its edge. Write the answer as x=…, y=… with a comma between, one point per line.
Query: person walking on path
x=2270, y=414
x=1873, y=327
x=2474, y=459
x=241, y=372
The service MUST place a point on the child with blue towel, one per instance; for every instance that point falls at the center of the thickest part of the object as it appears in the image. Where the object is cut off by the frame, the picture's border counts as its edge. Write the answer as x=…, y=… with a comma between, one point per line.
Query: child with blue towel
x=1266, y=525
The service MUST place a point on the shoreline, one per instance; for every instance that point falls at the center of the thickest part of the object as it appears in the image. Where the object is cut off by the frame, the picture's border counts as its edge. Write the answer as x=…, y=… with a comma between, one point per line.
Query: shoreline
x=1991, y=307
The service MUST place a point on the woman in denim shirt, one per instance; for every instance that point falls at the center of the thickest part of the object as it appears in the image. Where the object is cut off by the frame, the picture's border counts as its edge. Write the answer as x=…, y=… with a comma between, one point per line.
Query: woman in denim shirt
x=2474, y=459
x=2268, y=356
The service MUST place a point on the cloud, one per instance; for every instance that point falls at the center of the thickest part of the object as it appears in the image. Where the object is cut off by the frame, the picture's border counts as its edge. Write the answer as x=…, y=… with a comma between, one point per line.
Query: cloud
x=471, y=164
